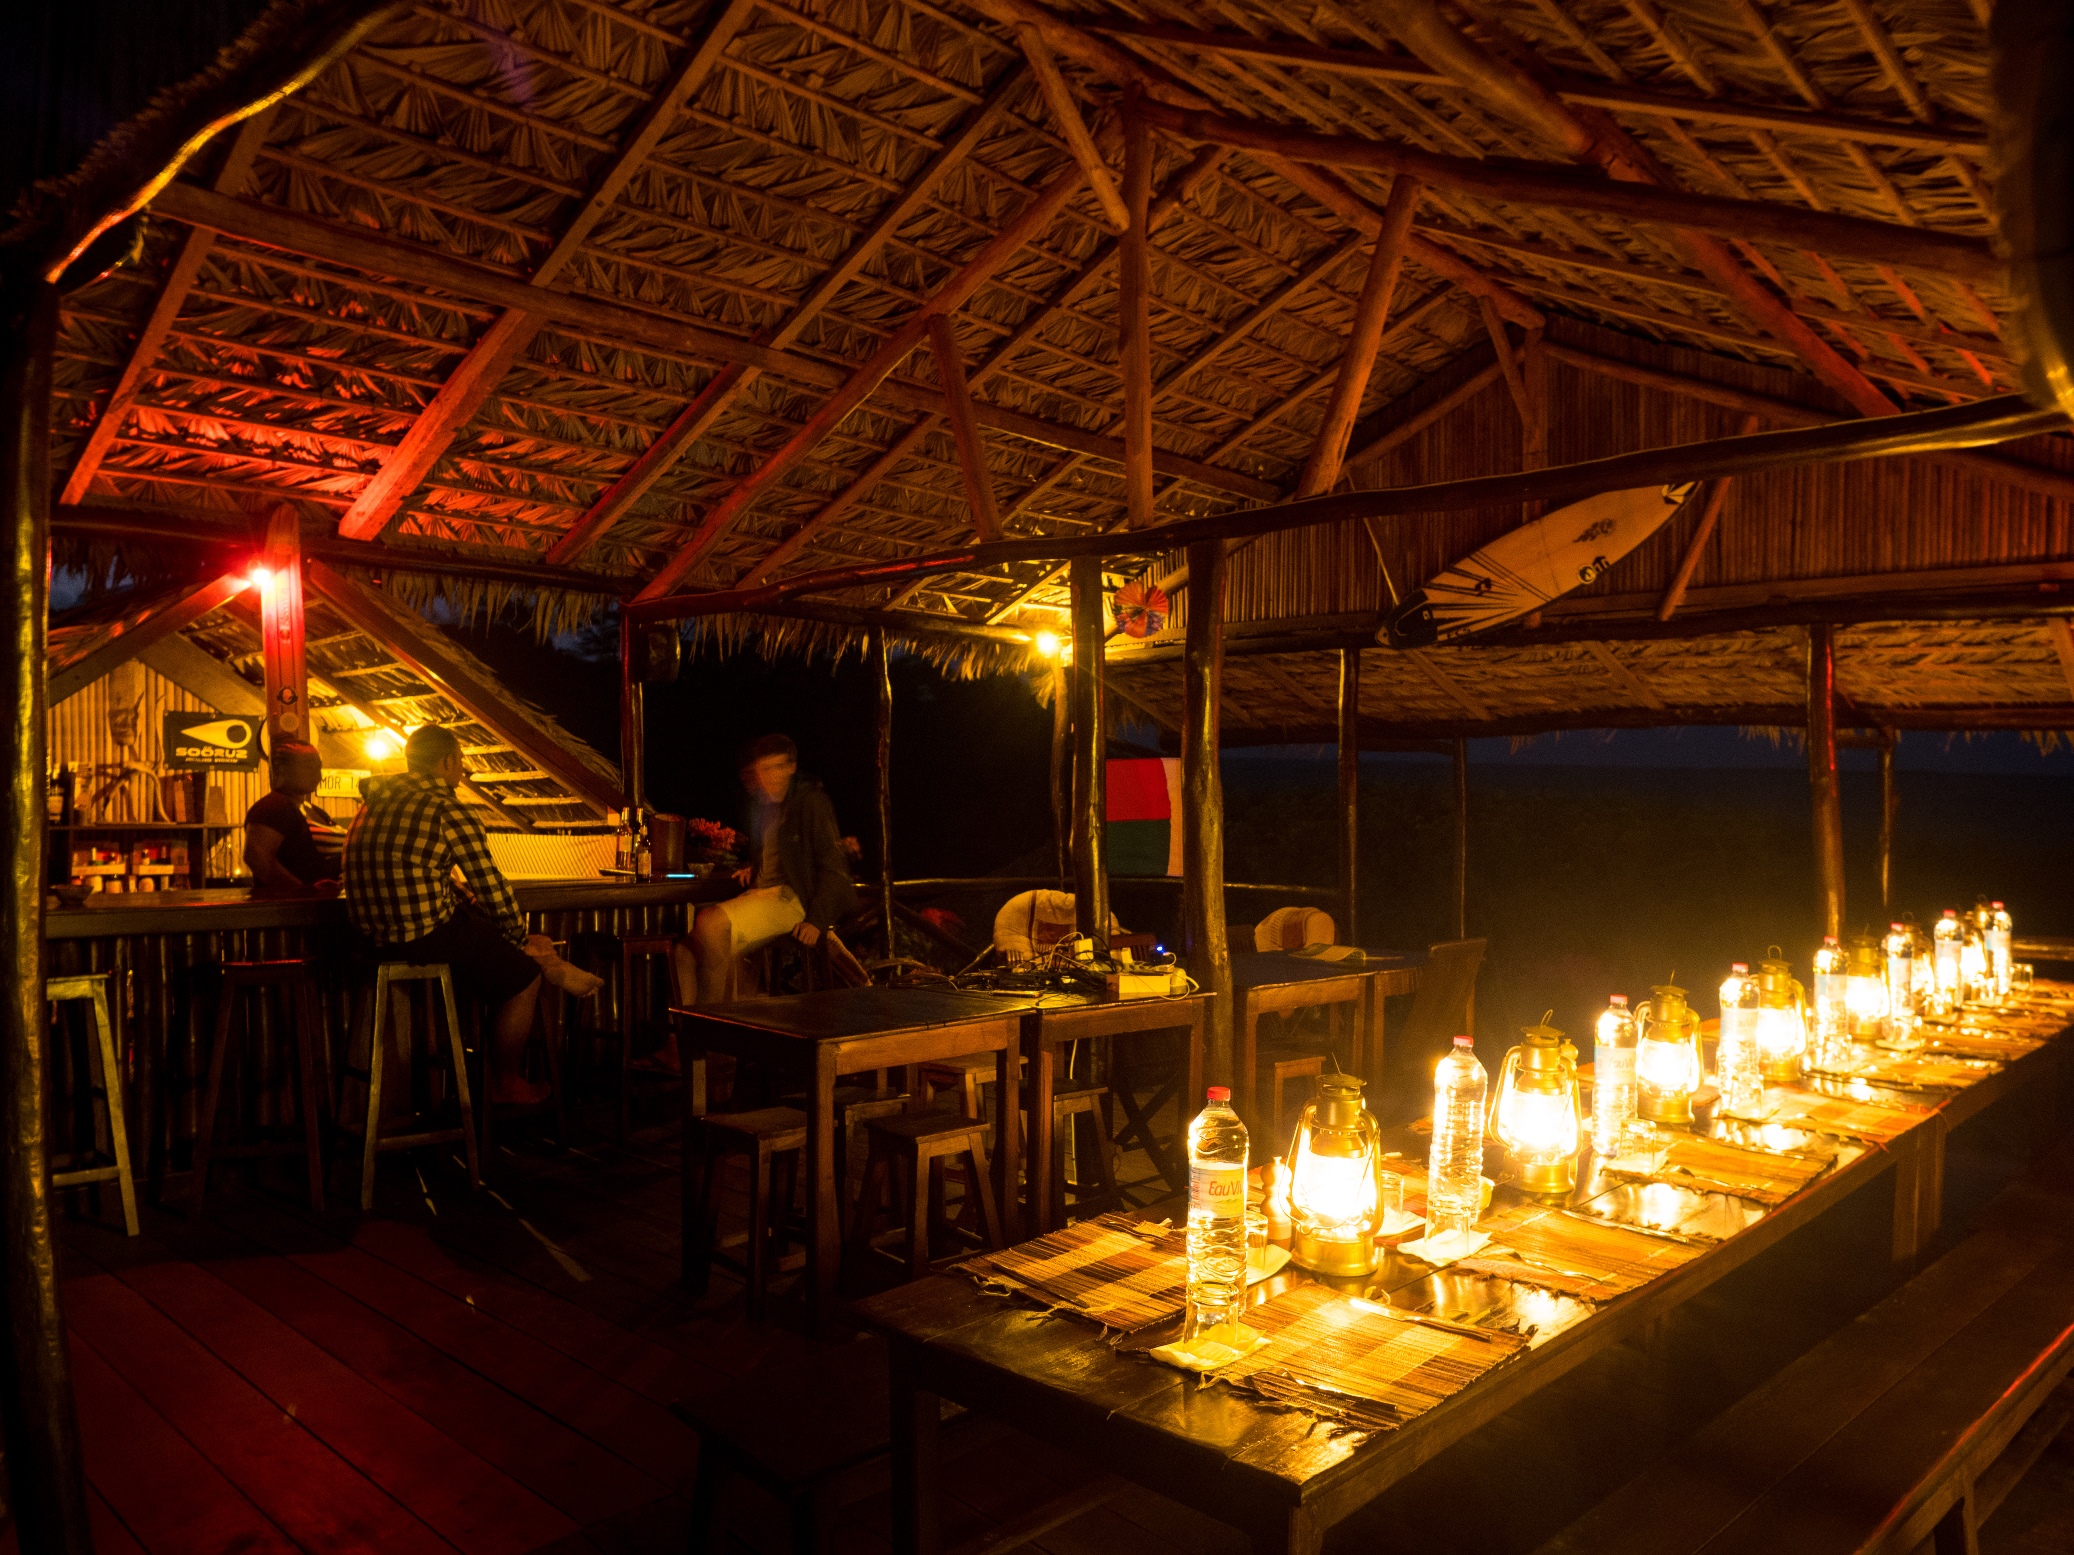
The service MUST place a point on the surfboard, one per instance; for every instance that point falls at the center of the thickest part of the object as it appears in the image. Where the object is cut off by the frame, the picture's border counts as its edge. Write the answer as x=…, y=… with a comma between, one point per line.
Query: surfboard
x=1525, y=568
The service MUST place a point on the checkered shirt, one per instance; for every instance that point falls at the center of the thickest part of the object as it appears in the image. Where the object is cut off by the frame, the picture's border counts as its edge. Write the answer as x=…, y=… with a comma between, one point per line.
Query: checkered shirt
x=401, y=855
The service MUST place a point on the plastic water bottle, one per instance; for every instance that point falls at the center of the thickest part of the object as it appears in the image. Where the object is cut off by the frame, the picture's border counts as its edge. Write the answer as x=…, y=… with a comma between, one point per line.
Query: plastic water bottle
x=1738, y=1067
x=1216, y=1213
x=1829, y=990
x=1900, y=949
x=2001, y=933
x=1951, y=945
x=1613, y=1077
x=1454, y=1166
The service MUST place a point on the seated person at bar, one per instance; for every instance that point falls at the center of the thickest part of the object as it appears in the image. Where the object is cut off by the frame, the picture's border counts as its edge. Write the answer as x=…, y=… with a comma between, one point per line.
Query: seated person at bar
x=410, y=838
x=282, y=850
x=798, y=879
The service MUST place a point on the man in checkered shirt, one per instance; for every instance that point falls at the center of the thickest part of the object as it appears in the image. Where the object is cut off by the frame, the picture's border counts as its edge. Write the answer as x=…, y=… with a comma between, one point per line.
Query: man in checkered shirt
x=411, y=838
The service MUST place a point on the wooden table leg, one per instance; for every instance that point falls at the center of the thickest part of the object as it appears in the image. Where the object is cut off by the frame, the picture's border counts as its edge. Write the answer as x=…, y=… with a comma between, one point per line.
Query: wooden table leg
x=1039, y=1056
x=1248, y=1034
x=693, y=1253
x=1297, y=1532
x=1008, y=1155
x=824, y=1252
x=1198, y=1037
x=1376, y=1001
x=916, y=1492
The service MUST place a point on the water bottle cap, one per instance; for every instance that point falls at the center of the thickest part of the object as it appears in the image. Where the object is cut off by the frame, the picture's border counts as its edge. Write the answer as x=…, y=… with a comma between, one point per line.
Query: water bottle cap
x=1465, y=1042
x=1739, y=966
x=1830, y=939
x=1619, y=1000
x=1894, y=928
x=1951, y=912
x=1220, y=1093
x=1996, y=905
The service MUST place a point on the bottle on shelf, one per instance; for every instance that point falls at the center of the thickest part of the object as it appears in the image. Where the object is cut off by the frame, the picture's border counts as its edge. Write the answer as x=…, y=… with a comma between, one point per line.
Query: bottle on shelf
x=644, y=857
x=1613, y=1077
x=1217, y=1148
x=1950, y=947
x=623, y=842
x=1738, y=1070
x=2001, y=948
x=1454, y=1164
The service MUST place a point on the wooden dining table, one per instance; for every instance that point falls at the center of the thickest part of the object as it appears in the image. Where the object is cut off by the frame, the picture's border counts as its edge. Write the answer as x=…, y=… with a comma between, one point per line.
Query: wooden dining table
x=1271, y=1471
x=1281, y=982
x=813, y=1039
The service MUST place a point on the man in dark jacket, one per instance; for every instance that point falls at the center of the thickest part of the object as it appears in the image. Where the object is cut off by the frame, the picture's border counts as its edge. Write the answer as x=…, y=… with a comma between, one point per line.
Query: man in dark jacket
x=797, y=880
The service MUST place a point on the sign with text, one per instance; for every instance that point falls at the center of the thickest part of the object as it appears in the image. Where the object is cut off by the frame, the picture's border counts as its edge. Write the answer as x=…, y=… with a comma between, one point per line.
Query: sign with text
x=208, y=742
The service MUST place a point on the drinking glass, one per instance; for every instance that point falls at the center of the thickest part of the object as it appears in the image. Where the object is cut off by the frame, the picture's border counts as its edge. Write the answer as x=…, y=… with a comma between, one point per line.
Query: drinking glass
x=1390, y=1201
x=2020, y=977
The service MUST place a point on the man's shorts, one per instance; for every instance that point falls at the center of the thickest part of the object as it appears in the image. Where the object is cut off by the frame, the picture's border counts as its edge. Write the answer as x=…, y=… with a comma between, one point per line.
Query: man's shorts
x=486, y=965
x=759, y=916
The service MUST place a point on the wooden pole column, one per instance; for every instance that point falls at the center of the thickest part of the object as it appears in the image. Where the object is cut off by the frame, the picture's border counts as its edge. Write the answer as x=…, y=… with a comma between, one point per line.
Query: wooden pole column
x=633, y=722
x=281, y=622
x=1061, y=784
x=39, y=1431
x=1822, y=787
x=1349, y=791
x=1090, y=789
x=1890, y=807
x=1205, y=935
x=882, y=729
x=1461, y=839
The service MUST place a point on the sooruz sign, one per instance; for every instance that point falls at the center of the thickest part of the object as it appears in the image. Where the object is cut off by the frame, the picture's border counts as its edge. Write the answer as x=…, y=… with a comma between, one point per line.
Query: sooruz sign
x=210, y=742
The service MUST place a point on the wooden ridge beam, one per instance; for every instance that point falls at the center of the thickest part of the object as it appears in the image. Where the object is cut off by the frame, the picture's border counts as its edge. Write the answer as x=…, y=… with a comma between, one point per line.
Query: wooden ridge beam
x=432, y=661
x=181, y=275
x=1623, y=98
x=1846, y=237
x=139, y=631
x=1379, y=733
x=478, y=373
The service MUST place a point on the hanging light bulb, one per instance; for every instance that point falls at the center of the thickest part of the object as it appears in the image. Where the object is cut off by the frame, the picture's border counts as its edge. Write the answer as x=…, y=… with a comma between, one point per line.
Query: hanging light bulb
x=1535, y=1115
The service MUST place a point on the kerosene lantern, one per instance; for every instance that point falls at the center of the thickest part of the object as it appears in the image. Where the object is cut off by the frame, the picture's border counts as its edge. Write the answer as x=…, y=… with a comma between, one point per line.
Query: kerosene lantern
x=1333, y=1197
x=1865, y=989
x=1534, y=1111
x=1782, y=1023
x=1668, y=1060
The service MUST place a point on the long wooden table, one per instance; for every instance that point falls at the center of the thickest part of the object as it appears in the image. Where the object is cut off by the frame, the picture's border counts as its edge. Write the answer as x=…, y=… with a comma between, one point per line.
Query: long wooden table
x=813, y=1039
x=1275, y=1473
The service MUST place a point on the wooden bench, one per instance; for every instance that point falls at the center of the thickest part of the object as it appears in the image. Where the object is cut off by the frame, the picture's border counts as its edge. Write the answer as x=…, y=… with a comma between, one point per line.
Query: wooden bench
x=1903, y=1430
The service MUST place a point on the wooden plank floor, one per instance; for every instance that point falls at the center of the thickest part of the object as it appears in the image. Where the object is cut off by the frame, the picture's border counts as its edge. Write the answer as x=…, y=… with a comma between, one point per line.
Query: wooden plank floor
x=483, y=1373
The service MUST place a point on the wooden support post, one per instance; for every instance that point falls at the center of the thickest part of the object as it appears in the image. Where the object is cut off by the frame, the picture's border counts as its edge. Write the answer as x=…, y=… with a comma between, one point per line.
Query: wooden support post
x=39, y=1431
x=972, y=453
x=1822, y=787
x=1061, y=785
x=1890, y=807
x=1090, y=789
x=633, y=722
x=1205, y=935
x=1134, y=317
x=280, y=612
x=1461, y=838
x=1349, y=791
x=882, y=730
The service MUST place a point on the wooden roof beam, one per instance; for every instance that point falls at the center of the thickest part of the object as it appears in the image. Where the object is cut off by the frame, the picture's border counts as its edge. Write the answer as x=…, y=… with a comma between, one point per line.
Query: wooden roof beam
x=713, y=401
x=972, y=453
x=476, y=377
x=2062, y=633
x=1058, y=97
x=1845, y=237
x=181, y=276
x=1577, y=90
x=139, y=630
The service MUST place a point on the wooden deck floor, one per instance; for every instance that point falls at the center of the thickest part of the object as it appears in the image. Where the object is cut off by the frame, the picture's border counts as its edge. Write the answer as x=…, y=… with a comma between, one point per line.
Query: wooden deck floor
x=491, y=1373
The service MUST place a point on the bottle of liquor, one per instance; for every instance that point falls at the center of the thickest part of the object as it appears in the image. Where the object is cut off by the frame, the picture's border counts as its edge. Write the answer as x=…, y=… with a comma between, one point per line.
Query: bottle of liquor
x=644, y=858
x=623, y=843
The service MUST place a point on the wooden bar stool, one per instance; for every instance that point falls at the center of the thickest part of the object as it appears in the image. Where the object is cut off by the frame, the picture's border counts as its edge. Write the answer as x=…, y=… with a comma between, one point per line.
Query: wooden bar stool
x=969, y=1074
x=92, y=988
x=1078, y=1098
x=855, y=1105
x=374, y=1140
x=915, y=1148
x=765, y=1136
x=298, y=985
x=635, y=974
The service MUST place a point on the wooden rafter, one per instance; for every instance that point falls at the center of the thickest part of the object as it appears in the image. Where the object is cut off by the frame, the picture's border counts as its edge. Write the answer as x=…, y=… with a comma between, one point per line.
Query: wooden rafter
x=2062, y=633
x=1058, y=97
x=719, y=395
x=476, y=378
x=1449, y=686
x=1626, y=678
x=1134, y=315
x=1702, y=532
x=141, y=629
x=181, y=276
x=972, y=453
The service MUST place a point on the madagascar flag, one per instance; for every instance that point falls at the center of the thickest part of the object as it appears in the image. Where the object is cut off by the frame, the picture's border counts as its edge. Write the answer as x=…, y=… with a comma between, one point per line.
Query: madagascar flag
x=1144, y=809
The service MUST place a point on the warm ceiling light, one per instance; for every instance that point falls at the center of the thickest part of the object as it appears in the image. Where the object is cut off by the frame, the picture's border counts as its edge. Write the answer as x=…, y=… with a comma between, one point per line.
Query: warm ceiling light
x=1048, y=644
x=381, y=744
x=260, y=576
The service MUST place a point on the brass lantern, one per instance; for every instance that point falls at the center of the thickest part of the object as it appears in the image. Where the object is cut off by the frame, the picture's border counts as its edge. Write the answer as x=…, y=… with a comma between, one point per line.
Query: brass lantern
x=1865, y=989
x=1668, y=1062
x=1782, y=1024
x=1534, y=1111
x=1333, y=1190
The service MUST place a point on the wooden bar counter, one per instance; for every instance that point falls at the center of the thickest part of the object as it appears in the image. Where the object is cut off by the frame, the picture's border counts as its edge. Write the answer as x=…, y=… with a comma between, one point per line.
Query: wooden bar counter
x=163, y=946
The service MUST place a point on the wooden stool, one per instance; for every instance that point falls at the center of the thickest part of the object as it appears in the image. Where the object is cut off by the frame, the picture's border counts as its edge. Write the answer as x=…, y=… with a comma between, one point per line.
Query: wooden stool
x=299, y=987
x=1278, y=1067
x=907, y=1145
x=762, y=1136
x=1075, y=1099
x=969, y=1073
x=93, y=988
x=634, y=951
x=855, y=1105
x=374, y=1140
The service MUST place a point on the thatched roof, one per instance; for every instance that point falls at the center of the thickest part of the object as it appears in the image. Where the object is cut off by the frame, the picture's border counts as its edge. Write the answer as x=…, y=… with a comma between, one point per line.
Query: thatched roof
x=727, y=210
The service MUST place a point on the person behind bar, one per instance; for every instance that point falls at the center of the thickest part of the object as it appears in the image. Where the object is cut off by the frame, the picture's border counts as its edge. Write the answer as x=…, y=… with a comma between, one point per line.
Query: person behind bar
x=407, y=843
x=281, y=849
x=798, y=880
